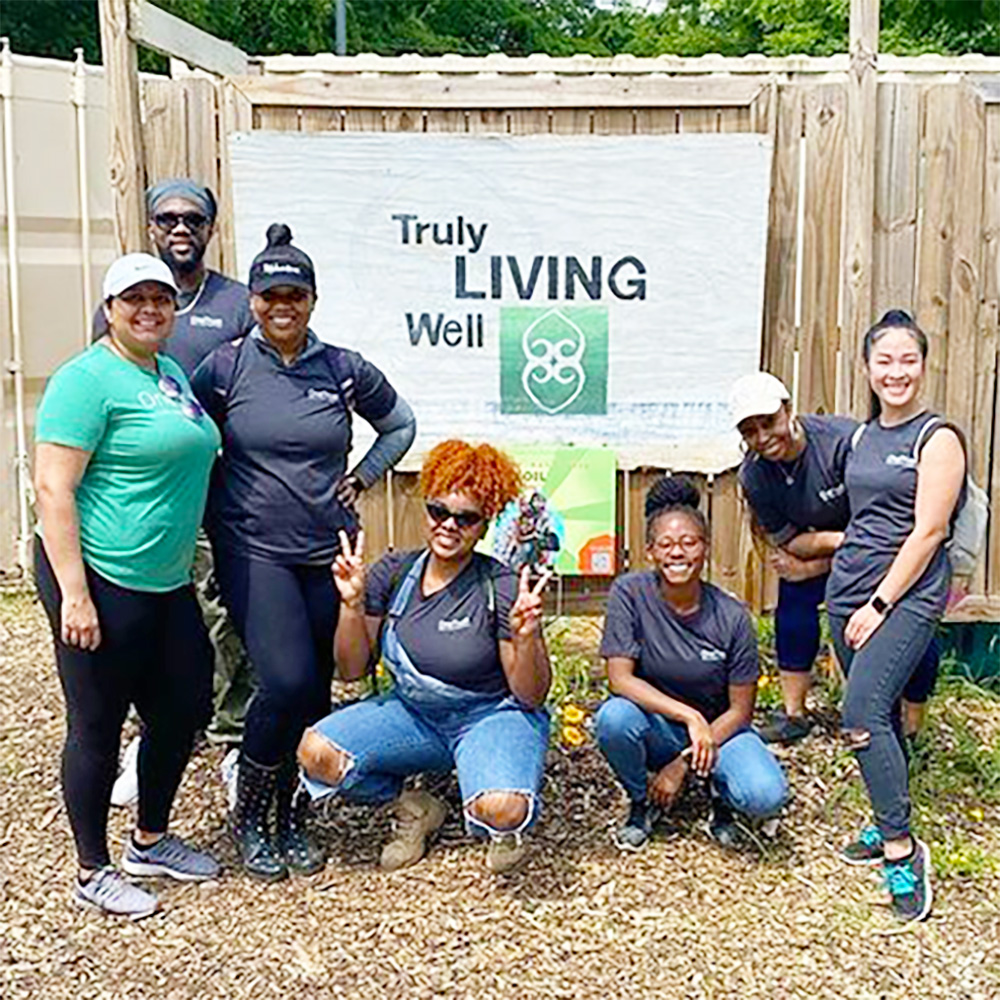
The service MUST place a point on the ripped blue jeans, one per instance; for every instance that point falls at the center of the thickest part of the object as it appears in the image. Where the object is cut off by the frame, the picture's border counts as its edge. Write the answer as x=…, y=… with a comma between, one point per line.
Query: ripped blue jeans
x=493, y=742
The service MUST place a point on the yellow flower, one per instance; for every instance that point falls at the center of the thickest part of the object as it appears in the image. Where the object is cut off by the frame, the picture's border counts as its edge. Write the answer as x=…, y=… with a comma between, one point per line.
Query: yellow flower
x=763, y=681
x=976, y=814
x=379, y=670
x=573, y=736
x=573, y=715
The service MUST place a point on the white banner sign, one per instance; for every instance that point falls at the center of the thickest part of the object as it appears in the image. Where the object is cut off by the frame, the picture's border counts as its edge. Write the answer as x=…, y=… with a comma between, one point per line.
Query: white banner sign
x=539, y=289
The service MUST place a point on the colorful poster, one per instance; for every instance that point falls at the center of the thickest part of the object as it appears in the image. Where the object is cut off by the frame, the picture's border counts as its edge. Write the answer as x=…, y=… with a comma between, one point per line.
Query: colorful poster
x=564, y=519
x=562, y=290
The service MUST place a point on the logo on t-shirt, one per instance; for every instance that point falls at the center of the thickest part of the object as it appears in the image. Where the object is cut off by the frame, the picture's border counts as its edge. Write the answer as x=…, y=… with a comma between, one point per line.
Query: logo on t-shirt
x=906, y=461
x=713, y=655
x=325, y=394
x=832, y=493
x=455, y=625
x=213, y=321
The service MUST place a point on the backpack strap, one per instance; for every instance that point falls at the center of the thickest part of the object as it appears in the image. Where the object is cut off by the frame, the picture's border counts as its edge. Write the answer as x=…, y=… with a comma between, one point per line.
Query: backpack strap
x=856, y=436
x=931, y=424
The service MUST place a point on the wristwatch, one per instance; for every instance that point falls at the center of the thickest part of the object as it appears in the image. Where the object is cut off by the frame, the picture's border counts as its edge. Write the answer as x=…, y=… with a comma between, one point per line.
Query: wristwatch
x=882, y=607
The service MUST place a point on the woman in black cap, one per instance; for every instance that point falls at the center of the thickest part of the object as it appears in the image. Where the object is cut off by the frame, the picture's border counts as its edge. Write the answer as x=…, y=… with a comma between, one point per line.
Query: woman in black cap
x=280, y=495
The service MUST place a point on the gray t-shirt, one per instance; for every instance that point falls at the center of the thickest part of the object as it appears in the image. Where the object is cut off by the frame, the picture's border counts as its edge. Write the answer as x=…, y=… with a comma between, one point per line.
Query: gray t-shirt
x=691, y=659
x=451, y=635
x=808, y=494
x=219, y=312
x=881, y=481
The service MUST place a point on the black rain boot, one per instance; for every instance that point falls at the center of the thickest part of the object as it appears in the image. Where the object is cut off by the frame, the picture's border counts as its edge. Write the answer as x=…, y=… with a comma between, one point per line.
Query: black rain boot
x=256, y=788
x=299, y=851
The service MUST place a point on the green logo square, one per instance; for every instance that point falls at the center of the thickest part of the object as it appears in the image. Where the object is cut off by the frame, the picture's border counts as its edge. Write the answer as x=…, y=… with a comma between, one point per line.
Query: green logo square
x=554, y=361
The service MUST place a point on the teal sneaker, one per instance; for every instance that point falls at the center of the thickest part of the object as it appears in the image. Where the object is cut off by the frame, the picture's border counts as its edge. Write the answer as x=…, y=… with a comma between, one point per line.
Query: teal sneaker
x=909, y=883
x=866, y=850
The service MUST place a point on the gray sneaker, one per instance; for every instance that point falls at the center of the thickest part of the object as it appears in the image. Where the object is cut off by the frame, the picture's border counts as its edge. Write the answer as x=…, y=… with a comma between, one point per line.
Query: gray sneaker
x=169, y=856
x=108, y=891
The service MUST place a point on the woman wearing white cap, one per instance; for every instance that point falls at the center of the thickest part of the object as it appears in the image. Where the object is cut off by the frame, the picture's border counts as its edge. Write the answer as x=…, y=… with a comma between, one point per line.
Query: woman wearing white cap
x=793, y=479
x=122, y=465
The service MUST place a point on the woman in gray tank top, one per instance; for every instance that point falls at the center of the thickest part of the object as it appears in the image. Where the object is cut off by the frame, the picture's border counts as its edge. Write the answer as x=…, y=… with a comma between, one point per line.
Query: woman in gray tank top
x=888, y=587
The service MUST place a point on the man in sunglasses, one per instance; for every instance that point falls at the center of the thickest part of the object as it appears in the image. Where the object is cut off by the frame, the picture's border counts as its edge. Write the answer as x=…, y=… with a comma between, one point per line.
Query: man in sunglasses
x=211, y=310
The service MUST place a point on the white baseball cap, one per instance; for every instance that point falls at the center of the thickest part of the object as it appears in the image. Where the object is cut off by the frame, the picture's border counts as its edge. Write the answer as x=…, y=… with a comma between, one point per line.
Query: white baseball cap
x=756, y=395
x=133, y=269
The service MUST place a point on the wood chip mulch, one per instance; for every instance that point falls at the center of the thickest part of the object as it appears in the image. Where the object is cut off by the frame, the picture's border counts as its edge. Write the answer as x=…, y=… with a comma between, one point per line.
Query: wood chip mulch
x=682, y=919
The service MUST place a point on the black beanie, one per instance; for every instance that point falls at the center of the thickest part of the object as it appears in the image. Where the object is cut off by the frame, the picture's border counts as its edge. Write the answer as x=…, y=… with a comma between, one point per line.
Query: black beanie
x=279, y=263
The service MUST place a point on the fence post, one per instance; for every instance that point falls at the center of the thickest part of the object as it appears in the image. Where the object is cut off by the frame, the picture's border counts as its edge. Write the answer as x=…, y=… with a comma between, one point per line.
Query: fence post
x=127, y=156
x=859, y=195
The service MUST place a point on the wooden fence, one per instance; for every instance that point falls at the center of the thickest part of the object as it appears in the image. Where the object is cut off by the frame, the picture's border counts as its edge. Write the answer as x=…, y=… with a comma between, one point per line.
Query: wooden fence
x=934, y=229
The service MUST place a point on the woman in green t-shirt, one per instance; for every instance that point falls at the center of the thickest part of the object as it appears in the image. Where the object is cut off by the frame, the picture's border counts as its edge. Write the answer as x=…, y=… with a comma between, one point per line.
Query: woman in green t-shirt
x=123, y=458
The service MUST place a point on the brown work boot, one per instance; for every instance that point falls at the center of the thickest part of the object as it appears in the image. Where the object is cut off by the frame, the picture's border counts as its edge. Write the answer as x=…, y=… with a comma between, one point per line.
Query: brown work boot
x=418, y=815
x=505, y=853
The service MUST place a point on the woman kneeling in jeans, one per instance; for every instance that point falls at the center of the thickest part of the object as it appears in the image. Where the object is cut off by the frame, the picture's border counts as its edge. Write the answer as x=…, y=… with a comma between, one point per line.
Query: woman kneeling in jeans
x=682, y=668
x=461, y=637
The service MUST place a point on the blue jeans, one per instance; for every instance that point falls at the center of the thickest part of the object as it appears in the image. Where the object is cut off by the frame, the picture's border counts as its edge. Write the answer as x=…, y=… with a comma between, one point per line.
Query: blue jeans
x=746, y=775
x=493, y=743
x=797, y=636
x=877, y=675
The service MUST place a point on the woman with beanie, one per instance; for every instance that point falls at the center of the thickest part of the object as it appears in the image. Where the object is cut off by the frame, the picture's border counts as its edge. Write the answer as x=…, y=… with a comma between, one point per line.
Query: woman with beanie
x=682, y=669
x=280, y=497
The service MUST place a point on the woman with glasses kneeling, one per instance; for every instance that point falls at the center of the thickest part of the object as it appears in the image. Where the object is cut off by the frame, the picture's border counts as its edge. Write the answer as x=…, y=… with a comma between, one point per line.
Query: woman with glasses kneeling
x=682, y=668
x=461, y=637
x=121, y=473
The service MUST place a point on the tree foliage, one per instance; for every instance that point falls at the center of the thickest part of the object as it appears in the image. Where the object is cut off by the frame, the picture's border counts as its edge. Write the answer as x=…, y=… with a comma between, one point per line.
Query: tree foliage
x=519, y=27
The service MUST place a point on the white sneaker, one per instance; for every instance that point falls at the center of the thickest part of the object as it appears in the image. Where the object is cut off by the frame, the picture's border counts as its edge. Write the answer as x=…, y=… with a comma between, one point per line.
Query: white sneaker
x=126, y=788
x=107, y=890
x=230, y=769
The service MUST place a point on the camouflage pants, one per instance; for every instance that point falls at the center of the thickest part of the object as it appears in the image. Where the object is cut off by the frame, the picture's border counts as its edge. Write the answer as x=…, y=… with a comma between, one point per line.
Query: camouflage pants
x=233, y=684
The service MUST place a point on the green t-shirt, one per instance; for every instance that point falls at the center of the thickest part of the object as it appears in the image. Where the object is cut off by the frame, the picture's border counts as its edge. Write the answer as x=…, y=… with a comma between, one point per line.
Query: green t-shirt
x=143, y=493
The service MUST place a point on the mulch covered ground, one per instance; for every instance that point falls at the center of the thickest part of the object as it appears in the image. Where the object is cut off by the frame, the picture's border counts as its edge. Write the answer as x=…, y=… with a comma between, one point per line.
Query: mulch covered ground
x=683, y=919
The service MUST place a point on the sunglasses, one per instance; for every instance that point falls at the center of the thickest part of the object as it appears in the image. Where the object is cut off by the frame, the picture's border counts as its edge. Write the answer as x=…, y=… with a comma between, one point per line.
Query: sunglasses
x=463, y=518
x=171, y=388
x=168, y=221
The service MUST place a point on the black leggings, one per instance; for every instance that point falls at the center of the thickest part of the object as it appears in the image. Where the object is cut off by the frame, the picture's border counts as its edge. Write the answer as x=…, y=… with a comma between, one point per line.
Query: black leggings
x=154, y=654
x=286, y=617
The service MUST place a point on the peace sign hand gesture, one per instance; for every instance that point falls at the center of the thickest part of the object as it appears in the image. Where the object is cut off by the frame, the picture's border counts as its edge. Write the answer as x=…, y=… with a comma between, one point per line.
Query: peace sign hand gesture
x=349, y=571
x=526, y=612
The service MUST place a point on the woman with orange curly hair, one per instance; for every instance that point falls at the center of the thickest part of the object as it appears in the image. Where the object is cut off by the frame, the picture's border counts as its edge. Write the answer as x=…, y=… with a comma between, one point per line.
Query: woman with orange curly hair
x=461, y=636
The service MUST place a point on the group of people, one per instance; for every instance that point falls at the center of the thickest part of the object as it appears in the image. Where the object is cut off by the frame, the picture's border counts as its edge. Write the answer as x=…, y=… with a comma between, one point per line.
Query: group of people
x=204, y=403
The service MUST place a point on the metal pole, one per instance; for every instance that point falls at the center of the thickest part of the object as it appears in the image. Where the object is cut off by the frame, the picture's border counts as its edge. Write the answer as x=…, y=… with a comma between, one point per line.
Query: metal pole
x=341, y=29
x=80, y=101
x=16, y=366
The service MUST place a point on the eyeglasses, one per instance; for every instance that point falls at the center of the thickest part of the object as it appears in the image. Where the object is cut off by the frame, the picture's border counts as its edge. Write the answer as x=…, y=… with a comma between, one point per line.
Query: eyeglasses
x=687, y=543
x=169, y=221
x=171, y=388
x=438, y=513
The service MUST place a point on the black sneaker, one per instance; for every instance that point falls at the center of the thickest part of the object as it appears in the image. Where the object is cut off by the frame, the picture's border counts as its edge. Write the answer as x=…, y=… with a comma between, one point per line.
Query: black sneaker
x=722, y=826
x=866, y=850
x=909, y=883
x=784, y=728
x=634, y=832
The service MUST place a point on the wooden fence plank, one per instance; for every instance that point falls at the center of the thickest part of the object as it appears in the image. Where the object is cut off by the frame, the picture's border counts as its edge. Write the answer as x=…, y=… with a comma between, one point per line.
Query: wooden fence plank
x=363, y=120
x=321, y=120
x=285, y=118
x=372, y=514
x=736, y=119
x=726, y=522
x=986, y=461
x=408, y=511
x=936, y=231
x=571, y=121
x=404, y=120
x=203, y=146
x=657, y=121
x=614, y=121
x=819, y=338
x=782, y=236
x=164, y=129
x=447, y=120
x=966, y=260
x=699, y=120
x=235, y=115
x=528, y=121
x=897, y=161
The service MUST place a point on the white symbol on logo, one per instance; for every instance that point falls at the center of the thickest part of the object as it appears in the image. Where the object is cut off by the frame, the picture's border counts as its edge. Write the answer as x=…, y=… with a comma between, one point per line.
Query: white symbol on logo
x=558, y=360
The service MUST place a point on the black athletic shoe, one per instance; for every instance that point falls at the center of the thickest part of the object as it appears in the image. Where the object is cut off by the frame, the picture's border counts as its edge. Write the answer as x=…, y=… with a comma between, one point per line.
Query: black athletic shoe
x=784, y=728
x=722, y=826
x=633, y=834
x=909, y=883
